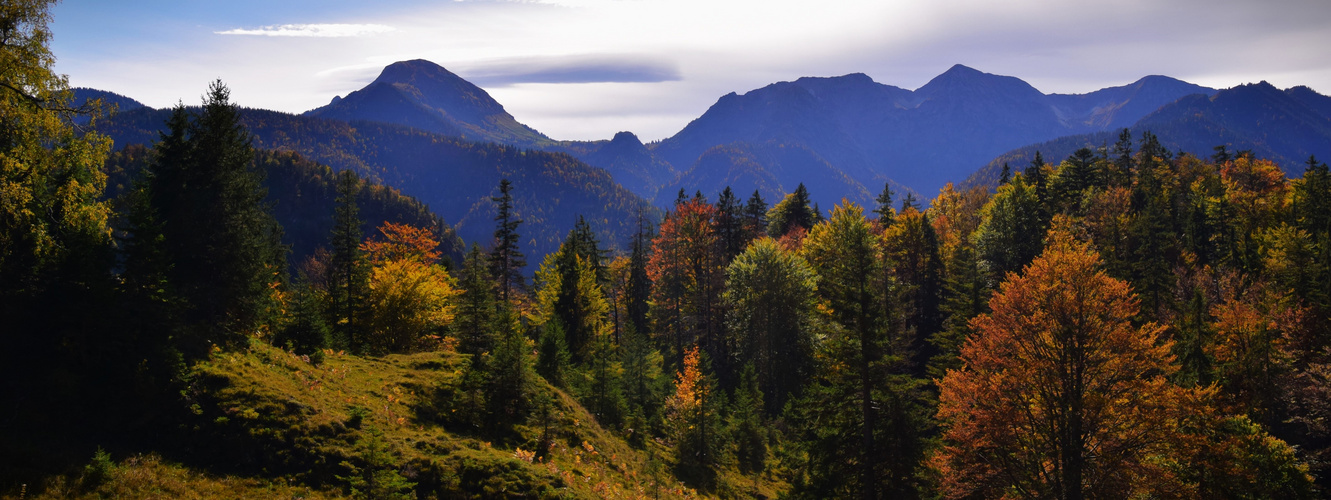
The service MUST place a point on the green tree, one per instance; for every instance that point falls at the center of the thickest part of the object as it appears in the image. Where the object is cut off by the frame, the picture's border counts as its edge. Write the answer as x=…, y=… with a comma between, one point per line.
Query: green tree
x=747, y=427
x=220, y=233
x=552, y=362
x=476, y=305
x=861, y=420
x=791, y=212
x=772, y=297
x=1008, y=236
x=506, y=261
x=348, y=271
x=886, y=214
x=755, y=217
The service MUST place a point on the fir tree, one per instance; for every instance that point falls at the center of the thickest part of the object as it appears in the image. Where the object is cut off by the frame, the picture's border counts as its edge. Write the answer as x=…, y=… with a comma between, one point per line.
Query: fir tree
x=476, y=306
x=506, y=261
x=219, y=231
x=348, y=271
x=885, y=211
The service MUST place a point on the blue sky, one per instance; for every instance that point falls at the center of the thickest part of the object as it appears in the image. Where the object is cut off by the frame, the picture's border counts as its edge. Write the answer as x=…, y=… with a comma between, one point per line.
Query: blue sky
x=585, y=69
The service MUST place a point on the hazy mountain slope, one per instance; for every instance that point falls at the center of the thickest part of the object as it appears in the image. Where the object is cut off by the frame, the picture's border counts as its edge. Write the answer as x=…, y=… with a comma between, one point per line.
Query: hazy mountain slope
x=454, y=177
x=627, y=160
x=1282, y=126
x=772, y=168
x=303, y=196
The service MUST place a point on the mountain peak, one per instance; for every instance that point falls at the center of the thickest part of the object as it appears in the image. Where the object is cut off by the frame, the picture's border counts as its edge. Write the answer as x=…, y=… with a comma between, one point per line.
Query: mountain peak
x=424, y=95
x=407, y=71
x=626, y=138
x=961, y=80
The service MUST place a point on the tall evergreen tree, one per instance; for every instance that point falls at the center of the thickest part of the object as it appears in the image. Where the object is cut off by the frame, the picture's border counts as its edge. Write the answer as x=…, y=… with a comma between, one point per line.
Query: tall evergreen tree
x=755, y=217
x=885, y=212
x=793, y=211
x=730, y=235
x=219, y=231
x=473, y=324
x=506, y=261
x=861, y=420
x=348, y=271
x=639, y=286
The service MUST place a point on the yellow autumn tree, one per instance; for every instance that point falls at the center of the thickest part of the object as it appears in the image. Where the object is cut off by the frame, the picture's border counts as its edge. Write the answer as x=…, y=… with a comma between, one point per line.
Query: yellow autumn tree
x=411, y=295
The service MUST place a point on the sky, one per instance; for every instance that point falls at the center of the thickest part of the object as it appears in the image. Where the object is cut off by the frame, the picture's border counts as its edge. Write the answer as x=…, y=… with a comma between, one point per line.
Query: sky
x=586, y=69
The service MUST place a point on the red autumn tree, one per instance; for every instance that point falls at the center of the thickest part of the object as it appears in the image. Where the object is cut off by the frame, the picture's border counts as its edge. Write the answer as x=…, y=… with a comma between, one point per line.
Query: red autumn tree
x=688, y=277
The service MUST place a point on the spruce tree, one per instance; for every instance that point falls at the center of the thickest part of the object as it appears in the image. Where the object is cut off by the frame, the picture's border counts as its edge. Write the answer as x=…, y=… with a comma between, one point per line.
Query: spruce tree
x=885, y=211
x=729, y=222
x=639, y=284
x=755, y=216
x=473, y=324
x=506, y=261
x=348, y=270
x=220, y=233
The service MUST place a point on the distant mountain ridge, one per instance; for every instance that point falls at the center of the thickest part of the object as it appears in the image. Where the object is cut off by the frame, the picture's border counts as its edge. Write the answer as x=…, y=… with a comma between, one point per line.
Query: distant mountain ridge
x=918, y=139
x=1285, y=126
x=853, y=134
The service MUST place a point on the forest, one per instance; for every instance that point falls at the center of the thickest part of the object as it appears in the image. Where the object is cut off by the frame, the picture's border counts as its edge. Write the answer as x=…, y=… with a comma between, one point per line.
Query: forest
x=1128, y=322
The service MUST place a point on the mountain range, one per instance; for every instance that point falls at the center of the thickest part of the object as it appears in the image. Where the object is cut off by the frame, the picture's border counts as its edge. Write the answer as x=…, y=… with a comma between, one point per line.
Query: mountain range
x=438, y=137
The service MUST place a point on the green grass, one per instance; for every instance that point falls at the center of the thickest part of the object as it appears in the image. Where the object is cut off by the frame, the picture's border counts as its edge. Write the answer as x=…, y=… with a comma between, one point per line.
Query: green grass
x=272, y=413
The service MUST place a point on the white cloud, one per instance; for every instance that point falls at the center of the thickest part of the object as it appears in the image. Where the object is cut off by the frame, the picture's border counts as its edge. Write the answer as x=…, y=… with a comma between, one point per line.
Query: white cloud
x=312, y=30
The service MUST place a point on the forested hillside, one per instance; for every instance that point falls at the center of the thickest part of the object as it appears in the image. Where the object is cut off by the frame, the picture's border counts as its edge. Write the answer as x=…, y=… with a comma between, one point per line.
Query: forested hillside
x=455, y=178
x=1123, y=323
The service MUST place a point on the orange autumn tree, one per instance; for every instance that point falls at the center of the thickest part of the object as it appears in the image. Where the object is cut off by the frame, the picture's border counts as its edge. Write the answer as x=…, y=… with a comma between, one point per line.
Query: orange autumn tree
x=1059, y=393
x=693, y=414
x=1061, y=396
x=410, y=295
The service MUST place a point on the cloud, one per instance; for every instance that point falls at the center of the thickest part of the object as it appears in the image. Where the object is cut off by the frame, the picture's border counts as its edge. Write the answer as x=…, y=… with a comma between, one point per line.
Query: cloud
x=571, y=69
x=312, y=30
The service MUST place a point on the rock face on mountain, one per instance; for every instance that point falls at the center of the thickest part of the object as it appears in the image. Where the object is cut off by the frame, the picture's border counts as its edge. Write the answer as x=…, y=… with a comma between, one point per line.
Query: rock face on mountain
x=1285, y=126
x=918, y=139
x=424, y=95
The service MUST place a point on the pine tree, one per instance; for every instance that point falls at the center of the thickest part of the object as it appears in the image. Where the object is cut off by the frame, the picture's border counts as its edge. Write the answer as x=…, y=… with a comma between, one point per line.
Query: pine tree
x=348, y=271
x=473, y=324
x=885, y=212
x=729, y=226
x=755, y=217
x=219, y=231
x=506, y=261
x=746, y=423
x=793, y=211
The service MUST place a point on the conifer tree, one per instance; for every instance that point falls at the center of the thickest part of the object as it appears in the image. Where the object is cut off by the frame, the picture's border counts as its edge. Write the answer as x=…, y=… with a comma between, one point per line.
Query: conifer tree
x=747, y=429
x=219, y=231
x=639, y=287
x=729, y=226
x=861, y=421
x=793, y=211
x=553, y=360
x=644, y=383
x=476, y=305
x=348, y=271
x=885, y=211
x=755, y=216
x=506, y=261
